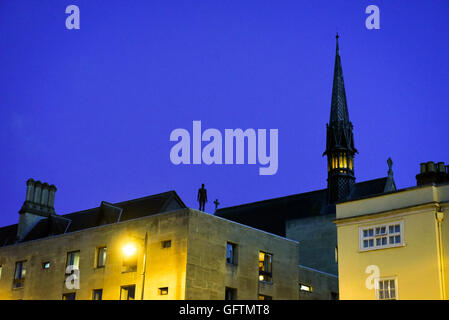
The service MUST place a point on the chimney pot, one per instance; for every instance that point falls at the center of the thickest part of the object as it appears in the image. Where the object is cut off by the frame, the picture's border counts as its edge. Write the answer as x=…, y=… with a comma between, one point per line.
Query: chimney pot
x=431, y=166
x=423, y=167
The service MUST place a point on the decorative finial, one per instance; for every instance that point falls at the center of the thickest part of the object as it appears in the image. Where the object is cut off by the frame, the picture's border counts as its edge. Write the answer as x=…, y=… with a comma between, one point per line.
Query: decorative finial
x=390, y=165
x=338, y=50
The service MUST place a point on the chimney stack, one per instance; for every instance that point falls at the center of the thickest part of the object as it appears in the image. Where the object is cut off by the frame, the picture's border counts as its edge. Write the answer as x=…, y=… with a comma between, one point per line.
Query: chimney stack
x=431, y=172
x=38, y=205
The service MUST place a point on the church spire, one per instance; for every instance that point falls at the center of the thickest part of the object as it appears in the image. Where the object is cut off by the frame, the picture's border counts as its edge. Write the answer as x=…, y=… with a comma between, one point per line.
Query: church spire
x=339, y=108
x=340, y=148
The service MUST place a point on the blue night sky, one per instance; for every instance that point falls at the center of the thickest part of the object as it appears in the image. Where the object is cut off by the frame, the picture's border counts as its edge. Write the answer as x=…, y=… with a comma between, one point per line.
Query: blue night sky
x=91, y=110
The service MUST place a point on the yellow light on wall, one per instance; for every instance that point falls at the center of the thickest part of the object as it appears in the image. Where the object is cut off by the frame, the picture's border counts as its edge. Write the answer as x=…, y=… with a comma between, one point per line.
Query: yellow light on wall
x=129, y=249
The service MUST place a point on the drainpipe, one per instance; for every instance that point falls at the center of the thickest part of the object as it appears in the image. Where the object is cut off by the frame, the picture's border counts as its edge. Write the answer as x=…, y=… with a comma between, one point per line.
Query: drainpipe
x=144, y=264
x=439, y=215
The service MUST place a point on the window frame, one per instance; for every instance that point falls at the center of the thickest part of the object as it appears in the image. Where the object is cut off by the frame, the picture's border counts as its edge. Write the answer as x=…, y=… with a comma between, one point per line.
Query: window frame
x=383, y=279
x=307, y=288
x=375, y=236
x=104, y=259
x=67, y=294
x=18, y=283
x=69, y=253
x=127, y=288
x=163, y=291
x=264, y=273
x=94, y=291
x=233, y=292
x=234, y=253
x=166, y=244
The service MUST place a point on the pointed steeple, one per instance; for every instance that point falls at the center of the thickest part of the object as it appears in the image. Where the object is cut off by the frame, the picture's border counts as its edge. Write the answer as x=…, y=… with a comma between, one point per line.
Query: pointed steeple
x=339, y=107
x=340, y=148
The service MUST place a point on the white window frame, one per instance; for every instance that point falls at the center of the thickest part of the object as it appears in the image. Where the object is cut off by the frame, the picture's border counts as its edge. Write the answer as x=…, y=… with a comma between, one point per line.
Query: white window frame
x=395, y=279
x=375, y=236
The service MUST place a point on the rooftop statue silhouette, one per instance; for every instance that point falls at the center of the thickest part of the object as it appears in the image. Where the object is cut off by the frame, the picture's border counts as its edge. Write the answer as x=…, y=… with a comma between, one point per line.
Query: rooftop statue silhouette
x=202, y=197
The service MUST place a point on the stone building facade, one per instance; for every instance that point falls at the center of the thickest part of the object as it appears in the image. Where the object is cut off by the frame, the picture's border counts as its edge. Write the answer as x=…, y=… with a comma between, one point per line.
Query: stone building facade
x=173, y=253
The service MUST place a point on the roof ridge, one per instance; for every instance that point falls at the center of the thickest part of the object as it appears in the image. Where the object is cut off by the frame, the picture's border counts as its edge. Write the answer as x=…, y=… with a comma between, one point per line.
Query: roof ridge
x=272, y=199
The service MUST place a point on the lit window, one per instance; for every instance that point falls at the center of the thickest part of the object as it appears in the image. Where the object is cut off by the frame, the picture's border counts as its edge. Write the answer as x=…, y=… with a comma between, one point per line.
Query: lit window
x=265, y=266
x=344, y=161
x=381, y=236
x=127, y=292
x=1, y=272
x=69, y=296
x=264, y=297
x=101, y=257
x=73, y=261
x=304, y=287
x=19, y=274
x=46, y=265
x=129, y=262
x=163, y=291
x=230, y=294
x=97, y=294
x=386, y=289
x=231, y=253
x=166, y=244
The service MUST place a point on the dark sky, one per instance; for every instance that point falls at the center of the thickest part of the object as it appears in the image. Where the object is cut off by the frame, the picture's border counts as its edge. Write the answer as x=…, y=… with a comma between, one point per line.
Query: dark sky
x=91, y=110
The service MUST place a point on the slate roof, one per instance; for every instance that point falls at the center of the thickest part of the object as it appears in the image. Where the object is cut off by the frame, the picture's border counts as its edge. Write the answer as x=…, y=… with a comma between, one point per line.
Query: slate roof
x=270, y=215
x=106, y=213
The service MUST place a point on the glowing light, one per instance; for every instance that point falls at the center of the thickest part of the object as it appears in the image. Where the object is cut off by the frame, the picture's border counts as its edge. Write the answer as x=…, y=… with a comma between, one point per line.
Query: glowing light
x=304, y=287
x=129, y=249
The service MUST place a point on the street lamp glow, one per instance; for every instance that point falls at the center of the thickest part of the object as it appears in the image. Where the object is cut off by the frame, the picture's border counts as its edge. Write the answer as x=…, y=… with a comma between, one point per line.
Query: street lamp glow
x=129, y=249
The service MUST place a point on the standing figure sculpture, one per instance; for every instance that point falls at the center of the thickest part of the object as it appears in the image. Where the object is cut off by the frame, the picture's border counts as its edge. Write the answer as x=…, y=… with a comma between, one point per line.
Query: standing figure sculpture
x=202, y=197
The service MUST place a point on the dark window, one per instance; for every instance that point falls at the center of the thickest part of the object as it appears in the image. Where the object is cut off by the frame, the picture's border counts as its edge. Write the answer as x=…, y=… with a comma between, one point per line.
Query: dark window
x=101, y=257
x=230, y=294
x=163, y=291
x=231, y=253
x=97, y=294
x=166, y=244
x=264, y=297
x=127, y=292
x=73, y=260
x=46, y=265
x=69, y=296
x=19, y=274
x=265, y=266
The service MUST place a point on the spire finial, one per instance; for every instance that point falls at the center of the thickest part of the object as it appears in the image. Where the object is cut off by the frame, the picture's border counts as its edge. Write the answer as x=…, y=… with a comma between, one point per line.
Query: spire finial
x=337, y=36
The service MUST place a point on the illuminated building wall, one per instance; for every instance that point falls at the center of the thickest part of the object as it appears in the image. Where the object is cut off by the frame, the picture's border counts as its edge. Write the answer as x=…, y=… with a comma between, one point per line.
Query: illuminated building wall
x=399, y=241
x=186, y=258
